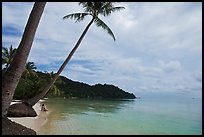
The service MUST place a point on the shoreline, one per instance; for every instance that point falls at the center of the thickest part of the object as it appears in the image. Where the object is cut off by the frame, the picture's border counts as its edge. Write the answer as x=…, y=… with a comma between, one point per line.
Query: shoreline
x=34, y=123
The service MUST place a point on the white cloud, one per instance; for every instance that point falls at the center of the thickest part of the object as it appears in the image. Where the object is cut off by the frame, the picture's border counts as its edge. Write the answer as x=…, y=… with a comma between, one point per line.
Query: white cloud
x=171, y=66
x=17, y=18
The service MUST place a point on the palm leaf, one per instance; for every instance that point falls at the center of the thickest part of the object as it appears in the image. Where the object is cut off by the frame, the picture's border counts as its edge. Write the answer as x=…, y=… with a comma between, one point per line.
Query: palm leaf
x=30, y=66
x=4, y=60
x=5, y=52
x=100, y=23
x=8, y=55
x=109, y=10
x=76, y=16
x=26, y=73
x=88, y=6
x=117, y=9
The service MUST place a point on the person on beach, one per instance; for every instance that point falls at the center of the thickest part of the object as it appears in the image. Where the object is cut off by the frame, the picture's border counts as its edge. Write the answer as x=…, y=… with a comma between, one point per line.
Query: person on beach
x=43, y=108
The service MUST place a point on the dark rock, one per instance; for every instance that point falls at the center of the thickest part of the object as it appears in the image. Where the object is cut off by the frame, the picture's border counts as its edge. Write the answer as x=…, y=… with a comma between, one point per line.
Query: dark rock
x=12, y=128
x=21, y=110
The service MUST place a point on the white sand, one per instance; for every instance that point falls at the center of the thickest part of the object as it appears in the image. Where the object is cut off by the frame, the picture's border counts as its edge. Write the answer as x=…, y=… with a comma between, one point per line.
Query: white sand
x=33, y=122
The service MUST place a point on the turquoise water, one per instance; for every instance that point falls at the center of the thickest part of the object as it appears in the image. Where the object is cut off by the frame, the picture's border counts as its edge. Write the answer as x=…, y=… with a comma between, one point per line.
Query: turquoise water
x=164, y=115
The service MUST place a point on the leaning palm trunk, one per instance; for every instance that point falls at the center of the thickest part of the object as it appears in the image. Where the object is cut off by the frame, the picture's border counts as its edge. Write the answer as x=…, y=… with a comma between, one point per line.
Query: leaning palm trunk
x=45, y=89
x=16, y=68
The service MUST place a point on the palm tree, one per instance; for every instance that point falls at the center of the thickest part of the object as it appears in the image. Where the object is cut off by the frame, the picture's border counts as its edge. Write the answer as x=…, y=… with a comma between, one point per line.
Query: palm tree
x=93, y=9
x=29, y=70
x=7, y=58
x=16, y=68
x=54, y=90
x=8, y=55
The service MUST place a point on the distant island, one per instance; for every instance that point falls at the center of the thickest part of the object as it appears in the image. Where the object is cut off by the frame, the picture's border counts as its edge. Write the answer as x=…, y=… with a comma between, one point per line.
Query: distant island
x=82, y=90
x=67, y=88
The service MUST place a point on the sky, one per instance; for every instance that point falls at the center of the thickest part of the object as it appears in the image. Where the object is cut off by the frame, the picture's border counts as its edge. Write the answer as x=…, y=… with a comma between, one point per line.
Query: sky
x=158, y=45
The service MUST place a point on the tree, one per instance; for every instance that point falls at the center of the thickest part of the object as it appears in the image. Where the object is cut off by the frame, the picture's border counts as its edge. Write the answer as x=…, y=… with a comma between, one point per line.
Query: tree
x=93, y=9
x=16, y=68
x=8, y=55
x=7, y=58
x=29, y=70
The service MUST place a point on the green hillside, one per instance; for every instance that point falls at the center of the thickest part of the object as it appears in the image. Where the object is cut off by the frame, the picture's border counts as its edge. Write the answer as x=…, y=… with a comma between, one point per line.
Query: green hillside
x=65, y=87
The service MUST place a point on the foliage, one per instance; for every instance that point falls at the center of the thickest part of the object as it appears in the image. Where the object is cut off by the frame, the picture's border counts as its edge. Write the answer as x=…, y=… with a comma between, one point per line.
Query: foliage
x=64, y=87
x=29, y=86
x=95, y=9
x=7, y=58
x=82, y=90
x=29, y=70
x=8, y=55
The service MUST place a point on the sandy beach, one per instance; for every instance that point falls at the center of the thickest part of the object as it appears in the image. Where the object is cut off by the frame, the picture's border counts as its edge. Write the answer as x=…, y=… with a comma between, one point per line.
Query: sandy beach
x=33, y=122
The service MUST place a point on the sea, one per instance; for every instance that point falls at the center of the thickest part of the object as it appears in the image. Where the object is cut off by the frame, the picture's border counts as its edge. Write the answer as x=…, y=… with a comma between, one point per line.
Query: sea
x=151, y=114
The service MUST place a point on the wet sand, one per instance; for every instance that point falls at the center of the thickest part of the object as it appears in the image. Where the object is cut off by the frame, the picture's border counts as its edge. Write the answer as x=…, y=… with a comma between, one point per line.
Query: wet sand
x=33, y=122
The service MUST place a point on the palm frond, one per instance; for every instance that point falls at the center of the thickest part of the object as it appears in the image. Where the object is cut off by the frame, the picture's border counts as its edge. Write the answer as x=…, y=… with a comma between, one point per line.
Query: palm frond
x=29, y=70
x=13, y=53
x=88, y=6
x=76, y=16
x=30, y=66
x=100, y=23
x=4, y=60
x=108, y=11
x=26, y=73
x=5, y=52
x=8, y=55
x=117, y=9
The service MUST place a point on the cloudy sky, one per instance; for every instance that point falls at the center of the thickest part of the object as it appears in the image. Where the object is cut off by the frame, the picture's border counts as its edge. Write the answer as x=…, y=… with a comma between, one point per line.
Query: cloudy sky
x=158, y=46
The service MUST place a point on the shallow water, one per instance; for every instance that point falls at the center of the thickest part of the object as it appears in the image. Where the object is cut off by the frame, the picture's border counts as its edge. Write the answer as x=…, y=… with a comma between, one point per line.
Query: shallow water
x=145, y=116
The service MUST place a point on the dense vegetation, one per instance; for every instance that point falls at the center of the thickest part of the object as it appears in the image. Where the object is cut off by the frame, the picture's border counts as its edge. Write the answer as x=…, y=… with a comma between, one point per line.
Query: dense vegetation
x=65, y=87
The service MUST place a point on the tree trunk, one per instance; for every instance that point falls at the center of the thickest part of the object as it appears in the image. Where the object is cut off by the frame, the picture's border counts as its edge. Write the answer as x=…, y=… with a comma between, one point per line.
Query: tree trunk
x=16, y=68
x=45, y=89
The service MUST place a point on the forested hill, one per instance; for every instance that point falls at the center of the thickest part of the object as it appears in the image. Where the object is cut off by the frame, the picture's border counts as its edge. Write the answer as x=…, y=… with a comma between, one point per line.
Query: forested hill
x=65, y=87
x=82, y=90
